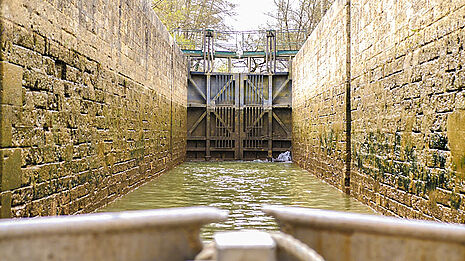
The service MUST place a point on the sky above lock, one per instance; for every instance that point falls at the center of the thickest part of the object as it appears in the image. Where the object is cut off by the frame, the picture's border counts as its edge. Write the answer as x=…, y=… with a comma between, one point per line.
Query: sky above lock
x=251, y=14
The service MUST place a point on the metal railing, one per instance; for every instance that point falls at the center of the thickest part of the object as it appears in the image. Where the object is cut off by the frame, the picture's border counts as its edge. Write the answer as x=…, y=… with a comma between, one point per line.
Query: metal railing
x=250, y=51
x=239, y=41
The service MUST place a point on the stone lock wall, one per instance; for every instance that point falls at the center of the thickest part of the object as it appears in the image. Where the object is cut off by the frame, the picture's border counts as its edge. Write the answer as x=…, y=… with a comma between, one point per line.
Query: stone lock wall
x=93, y=103
x=407, y=107
x=408, y=80
x=319, y=98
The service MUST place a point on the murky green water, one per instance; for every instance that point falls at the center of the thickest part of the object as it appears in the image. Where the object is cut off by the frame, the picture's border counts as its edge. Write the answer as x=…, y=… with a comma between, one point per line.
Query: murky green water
x=240, y=187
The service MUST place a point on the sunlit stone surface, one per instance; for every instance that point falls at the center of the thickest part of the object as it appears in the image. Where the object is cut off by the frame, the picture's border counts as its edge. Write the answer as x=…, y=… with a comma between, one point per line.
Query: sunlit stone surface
x=245, y=246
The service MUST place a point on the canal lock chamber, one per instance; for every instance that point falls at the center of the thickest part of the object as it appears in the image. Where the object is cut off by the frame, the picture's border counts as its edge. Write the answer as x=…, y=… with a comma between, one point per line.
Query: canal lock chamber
x=97, y=105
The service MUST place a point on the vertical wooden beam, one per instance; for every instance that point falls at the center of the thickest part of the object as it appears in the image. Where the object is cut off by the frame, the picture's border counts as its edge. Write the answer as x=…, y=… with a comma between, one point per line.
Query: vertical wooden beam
x=237, y=106
x=208, y=109
x=269, y=109
x=171, y=103
x=242, y=78
x=348, y=101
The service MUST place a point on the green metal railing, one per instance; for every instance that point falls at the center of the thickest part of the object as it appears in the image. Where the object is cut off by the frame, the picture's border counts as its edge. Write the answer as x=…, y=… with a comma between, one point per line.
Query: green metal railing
x=239, y=44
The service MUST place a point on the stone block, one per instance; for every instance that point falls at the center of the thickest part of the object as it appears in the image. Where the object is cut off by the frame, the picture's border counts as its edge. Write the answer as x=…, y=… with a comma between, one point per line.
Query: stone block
x=5, y=207
x=5, y=126
x=10, y=169
x=245, y=246
x=456, y=136
x=11, y=77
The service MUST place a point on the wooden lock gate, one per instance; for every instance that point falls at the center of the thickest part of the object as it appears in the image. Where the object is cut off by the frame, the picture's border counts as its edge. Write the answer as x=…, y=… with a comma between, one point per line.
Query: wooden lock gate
x=238, y=116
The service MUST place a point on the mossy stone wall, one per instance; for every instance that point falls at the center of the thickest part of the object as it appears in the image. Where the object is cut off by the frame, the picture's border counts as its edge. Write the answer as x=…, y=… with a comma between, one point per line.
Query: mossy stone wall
x=406, y=106
x=93, y=103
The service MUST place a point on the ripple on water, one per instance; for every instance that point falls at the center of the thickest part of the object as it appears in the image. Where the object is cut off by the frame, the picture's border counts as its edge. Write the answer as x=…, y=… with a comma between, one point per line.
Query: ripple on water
x=240, y=187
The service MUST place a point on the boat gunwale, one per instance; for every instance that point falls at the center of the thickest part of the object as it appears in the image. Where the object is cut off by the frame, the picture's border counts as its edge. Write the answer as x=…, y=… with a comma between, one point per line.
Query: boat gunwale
x=319, y=219
x=111, y=222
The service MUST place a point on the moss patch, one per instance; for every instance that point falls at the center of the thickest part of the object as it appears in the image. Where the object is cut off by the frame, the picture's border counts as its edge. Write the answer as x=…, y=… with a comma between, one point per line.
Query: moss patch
x=392, y=160
x=328, y=141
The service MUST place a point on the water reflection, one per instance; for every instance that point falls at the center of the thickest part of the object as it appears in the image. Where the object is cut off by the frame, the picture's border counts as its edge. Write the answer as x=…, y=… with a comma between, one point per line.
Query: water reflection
x=240, y=187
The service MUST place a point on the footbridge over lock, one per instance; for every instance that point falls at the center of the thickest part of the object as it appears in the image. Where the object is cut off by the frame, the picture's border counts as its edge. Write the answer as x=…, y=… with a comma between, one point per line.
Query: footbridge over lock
x=239, y=92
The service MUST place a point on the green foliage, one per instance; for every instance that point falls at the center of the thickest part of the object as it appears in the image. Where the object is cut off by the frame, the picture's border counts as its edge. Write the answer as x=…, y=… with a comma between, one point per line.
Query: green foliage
x=184, y=41
x=194, y=14
x=303, y=15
